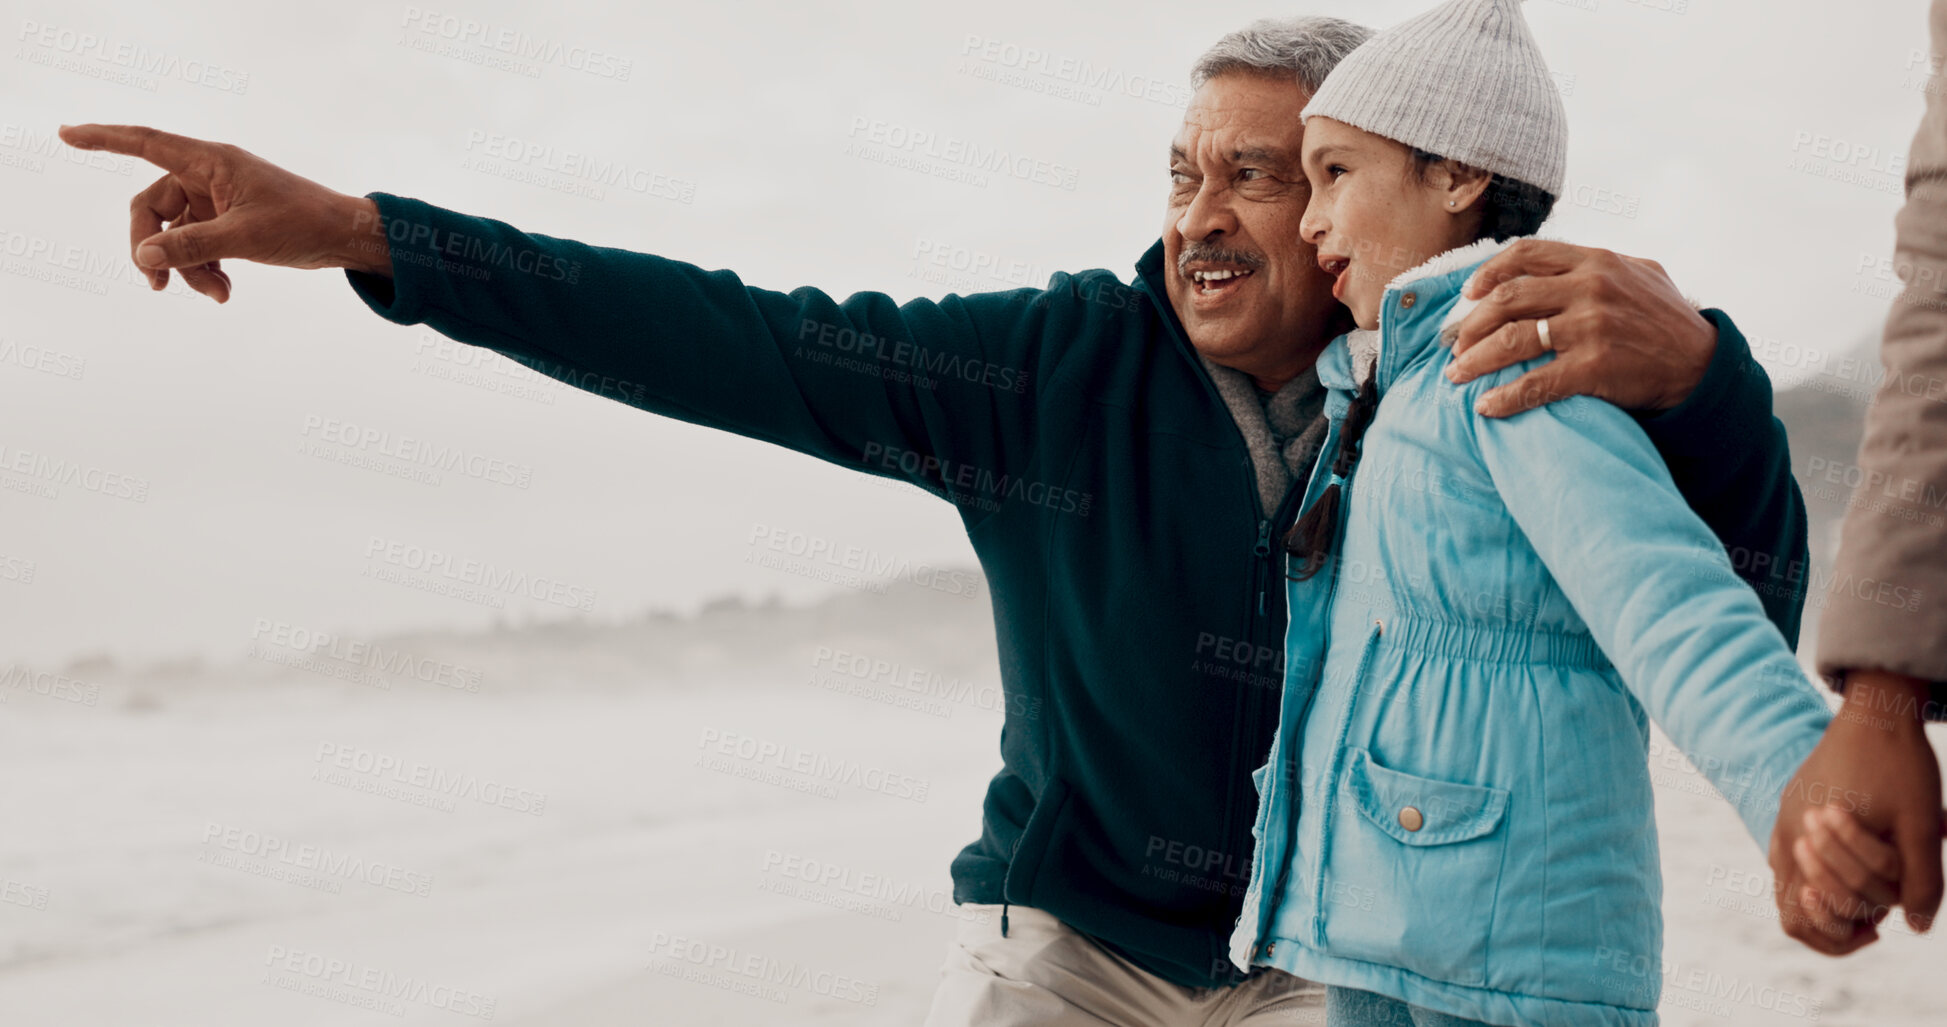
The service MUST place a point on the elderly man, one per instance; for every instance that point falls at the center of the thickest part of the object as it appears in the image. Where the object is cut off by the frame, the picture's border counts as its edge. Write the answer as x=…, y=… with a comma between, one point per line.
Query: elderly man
x=1121, y=456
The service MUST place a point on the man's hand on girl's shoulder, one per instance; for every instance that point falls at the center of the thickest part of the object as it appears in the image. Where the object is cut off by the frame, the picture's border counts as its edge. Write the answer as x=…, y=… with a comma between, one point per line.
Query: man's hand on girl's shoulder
x=1620, y=329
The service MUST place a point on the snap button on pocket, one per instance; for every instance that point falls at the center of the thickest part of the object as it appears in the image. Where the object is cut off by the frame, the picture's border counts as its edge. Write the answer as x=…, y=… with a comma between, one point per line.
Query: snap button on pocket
x=1385, y=797
x=1416, y=844
x=1407, y=300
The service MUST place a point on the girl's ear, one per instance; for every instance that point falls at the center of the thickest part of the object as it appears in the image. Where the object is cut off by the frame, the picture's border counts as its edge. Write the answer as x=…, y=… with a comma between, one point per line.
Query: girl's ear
x=1459, y=185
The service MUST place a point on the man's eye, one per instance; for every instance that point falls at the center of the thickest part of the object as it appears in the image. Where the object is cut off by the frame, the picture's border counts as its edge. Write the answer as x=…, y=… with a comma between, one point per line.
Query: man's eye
x=1179, y=177
x=1251, y=174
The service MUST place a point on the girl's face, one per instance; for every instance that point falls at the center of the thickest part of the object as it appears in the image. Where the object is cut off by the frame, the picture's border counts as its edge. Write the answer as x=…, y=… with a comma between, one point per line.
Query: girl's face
x=1371, y=217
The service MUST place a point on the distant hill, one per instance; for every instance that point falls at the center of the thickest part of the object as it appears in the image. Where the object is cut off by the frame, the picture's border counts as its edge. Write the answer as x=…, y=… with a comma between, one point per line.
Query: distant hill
x=1824, y=425
x=1825, y=420
x=908, y=627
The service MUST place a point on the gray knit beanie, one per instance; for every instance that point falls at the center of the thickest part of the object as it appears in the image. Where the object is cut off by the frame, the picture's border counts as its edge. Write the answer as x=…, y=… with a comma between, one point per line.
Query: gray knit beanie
x=1464, y=80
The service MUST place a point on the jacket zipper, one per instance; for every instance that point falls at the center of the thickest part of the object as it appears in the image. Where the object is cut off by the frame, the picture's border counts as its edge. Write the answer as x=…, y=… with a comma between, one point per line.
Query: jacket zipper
x=1291, y=752
x=1335, y=771
x=1263, y=557
x=1262, y=550
x=1335, y=761
x=1267, y=911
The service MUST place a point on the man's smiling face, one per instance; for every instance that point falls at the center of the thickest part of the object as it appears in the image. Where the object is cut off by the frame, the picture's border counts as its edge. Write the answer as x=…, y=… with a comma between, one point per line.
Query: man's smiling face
x=1246, y=286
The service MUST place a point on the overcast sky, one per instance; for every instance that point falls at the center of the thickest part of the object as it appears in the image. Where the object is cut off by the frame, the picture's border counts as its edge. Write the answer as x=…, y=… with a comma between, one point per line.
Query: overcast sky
x=1753, y=148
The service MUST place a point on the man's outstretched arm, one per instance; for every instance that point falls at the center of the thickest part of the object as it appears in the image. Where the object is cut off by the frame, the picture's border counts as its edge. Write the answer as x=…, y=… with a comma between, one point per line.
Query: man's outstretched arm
x=915, y=390
x=921, y=391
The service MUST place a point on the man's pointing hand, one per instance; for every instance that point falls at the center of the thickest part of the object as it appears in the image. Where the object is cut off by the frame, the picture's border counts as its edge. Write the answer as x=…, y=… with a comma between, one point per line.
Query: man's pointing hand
x=219, y=201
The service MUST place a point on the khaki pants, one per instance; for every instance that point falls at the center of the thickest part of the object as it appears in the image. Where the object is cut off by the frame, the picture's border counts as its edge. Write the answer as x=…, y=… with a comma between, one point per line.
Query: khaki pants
x=1046, y=974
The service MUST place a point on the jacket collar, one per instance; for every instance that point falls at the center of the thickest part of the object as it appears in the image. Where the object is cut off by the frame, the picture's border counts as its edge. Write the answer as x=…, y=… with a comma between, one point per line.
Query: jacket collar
x=1357, y=355
x=1151, y=275
x=1151, y=279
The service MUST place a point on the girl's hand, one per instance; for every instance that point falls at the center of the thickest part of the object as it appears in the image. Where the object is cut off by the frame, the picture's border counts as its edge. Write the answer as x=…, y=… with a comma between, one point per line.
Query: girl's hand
x=1876, y=771
x=1847, y=869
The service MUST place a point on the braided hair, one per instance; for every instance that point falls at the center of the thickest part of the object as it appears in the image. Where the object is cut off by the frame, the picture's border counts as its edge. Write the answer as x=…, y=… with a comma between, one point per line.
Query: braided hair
x=1310, y=540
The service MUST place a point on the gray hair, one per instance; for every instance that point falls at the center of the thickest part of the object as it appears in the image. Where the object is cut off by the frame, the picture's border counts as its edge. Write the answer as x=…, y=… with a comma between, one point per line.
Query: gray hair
x=1307, y=48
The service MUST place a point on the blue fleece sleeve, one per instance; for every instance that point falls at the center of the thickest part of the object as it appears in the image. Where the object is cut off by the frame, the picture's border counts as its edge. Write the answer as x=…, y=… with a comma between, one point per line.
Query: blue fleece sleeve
x=927, y=391
x=1689, y=637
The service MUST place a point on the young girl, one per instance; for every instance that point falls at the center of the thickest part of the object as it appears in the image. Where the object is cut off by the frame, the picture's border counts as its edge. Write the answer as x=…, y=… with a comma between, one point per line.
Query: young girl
x=1455, y=823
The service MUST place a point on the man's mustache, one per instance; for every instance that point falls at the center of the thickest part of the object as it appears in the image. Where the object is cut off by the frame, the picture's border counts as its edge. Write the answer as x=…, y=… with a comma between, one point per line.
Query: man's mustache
x=1217, y=255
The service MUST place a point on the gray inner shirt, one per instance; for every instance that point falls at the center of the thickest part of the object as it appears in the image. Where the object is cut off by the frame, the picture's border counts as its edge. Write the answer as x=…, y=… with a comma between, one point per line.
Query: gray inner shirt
x=1282, y=429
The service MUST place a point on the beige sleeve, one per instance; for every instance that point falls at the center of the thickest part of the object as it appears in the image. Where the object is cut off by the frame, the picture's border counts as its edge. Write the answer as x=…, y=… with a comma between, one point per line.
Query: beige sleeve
x=1887, y=606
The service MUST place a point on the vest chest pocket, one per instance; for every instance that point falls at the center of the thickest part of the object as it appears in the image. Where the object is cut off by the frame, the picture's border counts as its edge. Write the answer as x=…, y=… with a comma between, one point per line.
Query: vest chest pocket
x=1413, y=875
